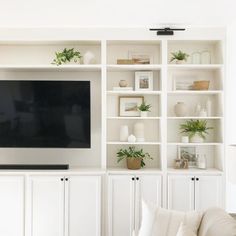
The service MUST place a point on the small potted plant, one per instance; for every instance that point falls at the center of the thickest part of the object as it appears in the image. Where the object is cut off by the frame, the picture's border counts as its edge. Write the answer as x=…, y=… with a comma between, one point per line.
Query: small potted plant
x=144, y=109
x=179, y=57
x=134, y=158
x=67, y=56
x=196, y=130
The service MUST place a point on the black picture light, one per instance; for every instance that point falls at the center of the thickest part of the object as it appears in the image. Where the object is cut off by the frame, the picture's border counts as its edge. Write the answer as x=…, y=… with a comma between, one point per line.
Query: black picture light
x=166, y=31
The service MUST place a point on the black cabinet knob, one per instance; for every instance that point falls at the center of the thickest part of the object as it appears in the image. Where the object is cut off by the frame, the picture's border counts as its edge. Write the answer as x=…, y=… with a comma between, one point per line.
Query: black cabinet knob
x=133, y=178
x=197, y=179
x=66, y=179
x=137, y=178
x=192, y=179
x=62, y=179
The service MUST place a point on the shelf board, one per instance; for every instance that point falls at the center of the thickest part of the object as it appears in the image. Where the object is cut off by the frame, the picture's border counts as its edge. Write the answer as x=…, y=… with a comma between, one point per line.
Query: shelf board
x=133, y=67
x=132, y=118
x=111, y=92
x=195, y=118
x=194, y=171
x=136, y=143
x=195, y=66
x=140, y=171
x=195, y=144
x=195, y=92
x=51, y=67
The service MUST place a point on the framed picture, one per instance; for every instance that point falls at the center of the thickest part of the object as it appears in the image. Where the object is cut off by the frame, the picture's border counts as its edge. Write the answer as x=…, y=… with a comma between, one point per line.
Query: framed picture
x=144, y=80
x=128, y=106
x=141, y=58
x=189, y=154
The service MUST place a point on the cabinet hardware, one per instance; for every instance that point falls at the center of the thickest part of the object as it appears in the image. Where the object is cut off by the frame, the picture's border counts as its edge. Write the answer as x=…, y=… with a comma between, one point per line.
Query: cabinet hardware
x=192, y=179
x=62, y=179
x=197, y=179
x=133, y=178
x=137, y=178
x=66, y=179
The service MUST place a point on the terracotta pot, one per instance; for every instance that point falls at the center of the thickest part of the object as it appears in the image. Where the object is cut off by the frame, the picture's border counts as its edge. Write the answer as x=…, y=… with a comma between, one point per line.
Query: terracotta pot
x=133, y=163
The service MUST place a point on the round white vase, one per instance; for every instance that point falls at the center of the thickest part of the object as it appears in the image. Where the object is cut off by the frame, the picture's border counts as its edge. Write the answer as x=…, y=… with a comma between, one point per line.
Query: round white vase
x=124, y=133
x=144, y=113
x=181, y=109
x=131, y=139
x=89, y=58
x=196, y=139
x=139, y=131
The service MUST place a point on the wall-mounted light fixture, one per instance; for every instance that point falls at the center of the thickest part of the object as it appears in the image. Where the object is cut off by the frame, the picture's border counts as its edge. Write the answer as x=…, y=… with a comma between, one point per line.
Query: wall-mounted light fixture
x=166, y=31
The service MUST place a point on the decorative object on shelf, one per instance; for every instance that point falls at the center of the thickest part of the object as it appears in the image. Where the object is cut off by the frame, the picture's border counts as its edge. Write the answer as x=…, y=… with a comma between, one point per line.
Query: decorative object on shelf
x=179, y=57
x=131, y=139
x=203, y=113
x=125, y=61
x=209, y=107
x=201, y=161
x=189, y=154
x=181, y=164
x=201, y=85
x=141, y=58
x=181, y=109
x=139, y=131
x=180, y=84
x=198, y=109
x=144, y=109
x=89, y=58
x=128, y=106
x=196, y=129
x=66, y=56
x=196, y=58
x=185, y=139
x=123, y=83
x=135, y=158
x=124, y=133
x=143, y=80
x=205, y=57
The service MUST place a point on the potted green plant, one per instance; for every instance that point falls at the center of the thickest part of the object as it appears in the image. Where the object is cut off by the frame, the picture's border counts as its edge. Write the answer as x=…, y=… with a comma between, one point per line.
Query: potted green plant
x=196, y=130
x=134, y=158
x=179, y=57
x=66, y=56
x=144, y=109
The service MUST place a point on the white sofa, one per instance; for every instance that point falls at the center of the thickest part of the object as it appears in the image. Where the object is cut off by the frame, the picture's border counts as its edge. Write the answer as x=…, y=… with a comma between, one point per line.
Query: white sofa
x=161, y=222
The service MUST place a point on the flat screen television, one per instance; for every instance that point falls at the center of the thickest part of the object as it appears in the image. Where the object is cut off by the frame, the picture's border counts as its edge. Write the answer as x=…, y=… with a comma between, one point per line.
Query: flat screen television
x=45, y=114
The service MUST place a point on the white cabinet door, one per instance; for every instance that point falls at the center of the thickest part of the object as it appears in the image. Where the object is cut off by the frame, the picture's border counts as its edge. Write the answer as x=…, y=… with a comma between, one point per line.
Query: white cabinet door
x=181, y=192
x=12, y=205
x=84, y=205
x=149, y=189
x=120, y=205
x=208, y=192
x=47, y=206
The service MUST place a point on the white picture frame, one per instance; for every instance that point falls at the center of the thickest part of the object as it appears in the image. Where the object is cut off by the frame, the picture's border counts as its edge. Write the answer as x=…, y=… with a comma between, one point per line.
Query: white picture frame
x=143, y=80
x=188, y=153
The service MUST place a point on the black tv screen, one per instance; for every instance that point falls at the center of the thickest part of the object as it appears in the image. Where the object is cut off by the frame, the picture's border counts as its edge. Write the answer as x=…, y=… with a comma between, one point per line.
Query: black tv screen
x=45, y=114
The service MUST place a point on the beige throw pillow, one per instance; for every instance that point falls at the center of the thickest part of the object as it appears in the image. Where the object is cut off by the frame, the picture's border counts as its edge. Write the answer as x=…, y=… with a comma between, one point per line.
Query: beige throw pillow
x=184, y=230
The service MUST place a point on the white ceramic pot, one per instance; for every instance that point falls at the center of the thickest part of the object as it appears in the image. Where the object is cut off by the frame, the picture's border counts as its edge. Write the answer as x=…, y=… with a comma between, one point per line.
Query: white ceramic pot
x=181, y=109
x=144, y=113
x=179, y=61
x=196, y=139
x=124, y=133
x=123, y=83
x=131, y=139
x=89, y=58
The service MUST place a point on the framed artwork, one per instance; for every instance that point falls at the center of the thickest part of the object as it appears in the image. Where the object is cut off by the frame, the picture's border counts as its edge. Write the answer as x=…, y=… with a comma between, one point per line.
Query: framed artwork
x=141, y=58
x=144, y=80
x=128, y=106
x=188, y=153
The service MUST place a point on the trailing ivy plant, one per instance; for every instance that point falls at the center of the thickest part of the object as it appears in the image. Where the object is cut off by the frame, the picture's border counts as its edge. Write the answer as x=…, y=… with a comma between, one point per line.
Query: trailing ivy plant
x=179, y=56
x=131, y=152
x=144, y=107
x=192, y=127
x=67, y=55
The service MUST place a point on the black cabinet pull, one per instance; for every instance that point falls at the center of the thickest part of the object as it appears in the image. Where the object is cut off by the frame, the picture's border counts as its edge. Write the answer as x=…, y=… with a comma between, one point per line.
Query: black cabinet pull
x=62, y=179
x=192, y=179
x=137, y=178
x=197, y=179
x=133, y=178
x=66, y=179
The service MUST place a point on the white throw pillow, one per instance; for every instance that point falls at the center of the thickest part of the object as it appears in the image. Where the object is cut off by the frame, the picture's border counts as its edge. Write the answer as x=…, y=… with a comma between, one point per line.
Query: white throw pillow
x=157, y=221
x=184, y=230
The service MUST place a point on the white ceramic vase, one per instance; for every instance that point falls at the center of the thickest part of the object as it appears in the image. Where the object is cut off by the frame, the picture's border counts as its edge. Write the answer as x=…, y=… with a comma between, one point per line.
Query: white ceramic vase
x=89, y=58
x=139, y=131
x=196, y=138
x=144, y=113
x=131, y=139
x=181, y=109
x=124, y=133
